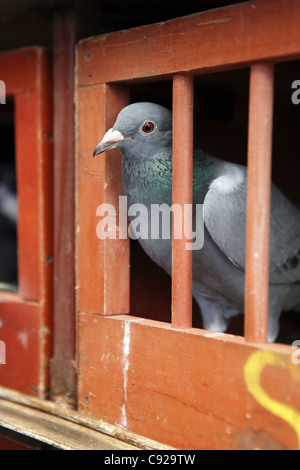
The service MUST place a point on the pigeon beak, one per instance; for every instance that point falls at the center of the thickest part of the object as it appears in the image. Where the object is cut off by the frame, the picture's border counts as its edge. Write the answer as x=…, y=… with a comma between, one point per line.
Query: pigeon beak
x=109, y=141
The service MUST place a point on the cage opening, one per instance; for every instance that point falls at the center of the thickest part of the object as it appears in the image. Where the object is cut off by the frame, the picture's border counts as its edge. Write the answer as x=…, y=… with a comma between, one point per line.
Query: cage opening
x=8, y=200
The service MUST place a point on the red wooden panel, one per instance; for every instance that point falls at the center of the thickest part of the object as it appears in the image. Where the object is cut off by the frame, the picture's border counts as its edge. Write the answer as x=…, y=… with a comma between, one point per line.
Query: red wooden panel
x=188, y=389
x=223, y=38
x=27, y=315
x=258, y=202
x=102, y=265
x=62, y=364
x=29, y=268
x=195, y=390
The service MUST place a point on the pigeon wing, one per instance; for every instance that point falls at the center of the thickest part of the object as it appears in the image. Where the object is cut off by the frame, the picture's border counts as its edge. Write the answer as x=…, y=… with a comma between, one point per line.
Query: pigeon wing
x=225, y=220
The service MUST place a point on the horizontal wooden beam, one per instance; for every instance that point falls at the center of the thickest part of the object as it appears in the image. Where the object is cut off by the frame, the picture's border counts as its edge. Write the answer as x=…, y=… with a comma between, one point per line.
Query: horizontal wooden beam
x=218, y=39
x=30, y=405
x=188, y=388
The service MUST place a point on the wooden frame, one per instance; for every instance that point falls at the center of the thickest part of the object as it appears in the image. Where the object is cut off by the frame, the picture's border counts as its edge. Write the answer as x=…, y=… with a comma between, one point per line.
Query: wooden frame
x=184, y=387
x=26, y=316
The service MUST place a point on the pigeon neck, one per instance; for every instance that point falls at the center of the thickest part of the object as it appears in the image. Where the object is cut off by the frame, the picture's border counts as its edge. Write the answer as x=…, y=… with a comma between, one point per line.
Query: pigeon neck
x=148, y=180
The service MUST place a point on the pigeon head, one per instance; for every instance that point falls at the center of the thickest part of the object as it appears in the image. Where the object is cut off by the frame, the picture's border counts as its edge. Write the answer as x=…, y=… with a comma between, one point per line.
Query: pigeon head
x=140, y=131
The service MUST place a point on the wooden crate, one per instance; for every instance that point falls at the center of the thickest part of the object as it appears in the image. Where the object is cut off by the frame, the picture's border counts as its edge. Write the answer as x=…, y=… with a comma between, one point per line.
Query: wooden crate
x=26, y=316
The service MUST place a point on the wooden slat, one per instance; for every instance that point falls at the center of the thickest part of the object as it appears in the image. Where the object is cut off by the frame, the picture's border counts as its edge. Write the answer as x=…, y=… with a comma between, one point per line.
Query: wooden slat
x=62, y=365
x=190, y=389
x=27, y=146
x=20, y=332
x=45, y=123
x=182, y=191
x=224, y=38
x=103, y=265
x=186, y=388
x=12, y=441
x=81, y=418
x=116, y=251
x=258, y=202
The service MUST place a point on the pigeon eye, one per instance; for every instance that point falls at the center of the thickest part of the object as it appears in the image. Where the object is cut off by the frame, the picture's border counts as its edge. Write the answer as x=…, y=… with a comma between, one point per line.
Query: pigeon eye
x=148, y=127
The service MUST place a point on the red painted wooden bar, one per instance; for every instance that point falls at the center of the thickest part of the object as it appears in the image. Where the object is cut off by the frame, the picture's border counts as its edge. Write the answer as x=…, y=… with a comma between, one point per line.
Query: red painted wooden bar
x=25, y=317
x=182, y=190
x=258, y=202
x=185, y=387
x=101, y=264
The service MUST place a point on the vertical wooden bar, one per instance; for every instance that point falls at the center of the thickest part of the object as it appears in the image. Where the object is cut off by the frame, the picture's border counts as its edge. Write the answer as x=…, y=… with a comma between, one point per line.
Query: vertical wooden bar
x=29, y=267
x=62, y=365
x=258, y=202
x=116, y=251
x=182, y=186
x=102, y=265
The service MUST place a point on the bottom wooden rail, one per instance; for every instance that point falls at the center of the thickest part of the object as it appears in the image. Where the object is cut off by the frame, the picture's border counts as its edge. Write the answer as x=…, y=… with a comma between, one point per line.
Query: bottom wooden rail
x=188, y=388
x=55, y=431
x=65, y=428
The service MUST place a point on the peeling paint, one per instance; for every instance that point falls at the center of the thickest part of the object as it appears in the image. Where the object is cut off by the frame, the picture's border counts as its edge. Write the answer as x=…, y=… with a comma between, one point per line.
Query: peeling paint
x=221, y=20
x=105, y=357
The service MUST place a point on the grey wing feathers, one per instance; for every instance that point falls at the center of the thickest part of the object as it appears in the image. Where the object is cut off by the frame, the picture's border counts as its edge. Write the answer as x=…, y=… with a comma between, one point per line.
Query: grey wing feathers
x=284, y=239
x=225, y=220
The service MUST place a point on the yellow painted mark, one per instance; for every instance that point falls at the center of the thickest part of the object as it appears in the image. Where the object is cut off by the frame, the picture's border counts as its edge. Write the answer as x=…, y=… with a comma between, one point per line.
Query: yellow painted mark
x=253, y=370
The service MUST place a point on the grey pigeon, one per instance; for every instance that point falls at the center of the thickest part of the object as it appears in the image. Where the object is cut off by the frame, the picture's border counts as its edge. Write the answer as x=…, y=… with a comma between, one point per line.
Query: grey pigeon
x=143, y=134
